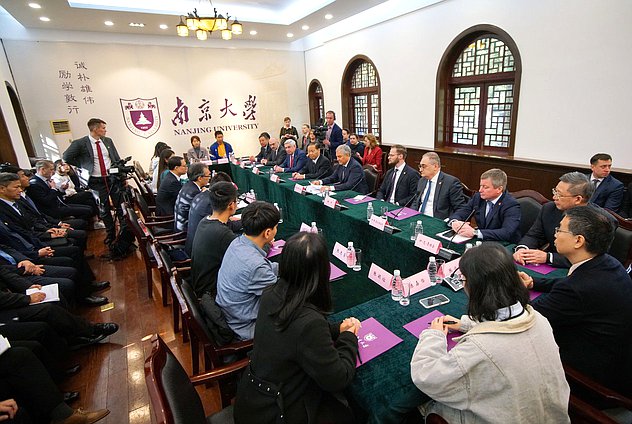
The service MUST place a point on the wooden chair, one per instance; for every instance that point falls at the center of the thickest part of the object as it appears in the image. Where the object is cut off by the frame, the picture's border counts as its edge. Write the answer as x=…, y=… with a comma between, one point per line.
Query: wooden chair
x=214, y=354
x=170, y=275
x=371, y=179
x=621, y=247
x=530, y=204
x=172, y=392
x=467, y=192
x=147, y=211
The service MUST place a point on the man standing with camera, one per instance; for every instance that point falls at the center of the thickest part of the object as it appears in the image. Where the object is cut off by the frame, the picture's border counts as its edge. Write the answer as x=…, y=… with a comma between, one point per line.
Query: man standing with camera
x=95, y=154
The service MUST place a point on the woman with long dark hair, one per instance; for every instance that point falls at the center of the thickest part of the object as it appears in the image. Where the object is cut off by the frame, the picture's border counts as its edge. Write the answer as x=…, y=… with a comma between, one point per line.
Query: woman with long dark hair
x=154, y=164
x=300, y=363
x=506, y=368
x=165, y=155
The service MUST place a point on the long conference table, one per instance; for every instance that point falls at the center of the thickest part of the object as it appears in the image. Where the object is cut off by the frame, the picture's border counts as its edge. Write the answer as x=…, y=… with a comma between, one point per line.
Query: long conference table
x=386, y=377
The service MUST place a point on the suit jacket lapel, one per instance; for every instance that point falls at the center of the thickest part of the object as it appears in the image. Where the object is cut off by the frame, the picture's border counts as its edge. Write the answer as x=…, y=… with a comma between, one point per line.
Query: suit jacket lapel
x=435, y=199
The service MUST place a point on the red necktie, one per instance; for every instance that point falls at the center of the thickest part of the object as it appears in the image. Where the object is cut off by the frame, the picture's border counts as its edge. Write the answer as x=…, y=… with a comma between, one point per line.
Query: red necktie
x=104, y=171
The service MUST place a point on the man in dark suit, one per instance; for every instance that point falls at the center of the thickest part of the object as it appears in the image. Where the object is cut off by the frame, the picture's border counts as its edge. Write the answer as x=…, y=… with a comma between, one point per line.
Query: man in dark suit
x=295, y=158
x=348, y=175
x=538, y=245
x=95, y=154
x=496, y=212
x=589, y=310
x=317, y=165
x=264, y=141
x=277, y=154
x=400, y=183
x=608, y=190
x=199, y=176
x=333, y=137
x=170, y=186
x=438, y=194
x=42, y=191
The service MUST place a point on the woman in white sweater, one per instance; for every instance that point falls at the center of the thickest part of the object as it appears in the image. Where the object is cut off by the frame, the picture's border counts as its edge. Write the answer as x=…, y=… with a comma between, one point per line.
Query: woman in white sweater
x=506, y=368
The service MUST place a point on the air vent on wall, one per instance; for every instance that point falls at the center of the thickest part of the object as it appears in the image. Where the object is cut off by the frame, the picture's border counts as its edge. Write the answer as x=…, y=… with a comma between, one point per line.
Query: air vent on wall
x=60, y=127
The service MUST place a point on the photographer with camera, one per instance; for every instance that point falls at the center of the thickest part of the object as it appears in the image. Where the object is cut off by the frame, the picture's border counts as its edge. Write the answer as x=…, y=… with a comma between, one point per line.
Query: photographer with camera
x=95, y=154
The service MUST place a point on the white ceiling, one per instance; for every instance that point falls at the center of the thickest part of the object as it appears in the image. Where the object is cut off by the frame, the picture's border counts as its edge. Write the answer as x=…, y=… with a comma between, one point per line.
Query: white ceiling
x=272, y=19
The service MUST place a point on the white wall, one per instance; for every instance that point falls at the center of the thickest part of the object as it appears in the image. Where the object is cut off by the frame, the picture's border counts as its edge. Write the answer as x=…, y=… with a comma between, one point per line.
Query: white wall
x=574, y=98
x=119, y=71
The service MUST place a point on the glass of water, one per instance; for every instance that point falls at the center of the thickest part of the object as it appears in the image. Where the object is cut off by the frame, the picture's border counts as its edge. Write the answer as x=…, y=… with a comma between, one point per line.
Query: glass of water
x=405, y=299
x=358, y=260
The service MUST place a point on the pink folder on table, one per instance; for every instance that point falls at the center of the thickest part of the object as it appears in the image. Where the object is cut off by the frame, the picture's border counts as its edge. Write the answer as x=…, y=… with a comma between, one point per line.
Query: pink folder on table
x=355, y=201
x=420, y=324
x=402, y=213
x=276, y=248
x=533, y=294
x=373, y=340
x=539, y=268
x=335, y=272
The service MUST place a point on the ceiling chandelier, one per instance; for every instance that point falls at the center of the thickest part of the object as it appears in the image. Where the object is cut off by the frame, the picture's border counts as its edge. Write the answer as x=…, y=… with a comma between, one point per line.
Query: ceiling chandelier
x=203, y=26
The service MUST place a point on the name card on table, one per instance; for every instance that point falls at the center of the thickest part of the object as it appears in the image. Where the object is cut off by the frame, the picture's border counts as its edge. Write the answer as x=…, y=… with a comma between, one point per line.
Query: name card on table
x=274, y=178
x=221, y=161
x=340, y=252
x=255, y=171
x=428, y=244
x=300, y=189
x=450, y=267
x=305, y=228
x=242, y=165
x=330, y=202
x=381, y=277
x=418, y=282
x=420, y=324
x=207, y=162
x=276, y=248
x=373, y=340
x=378, y=222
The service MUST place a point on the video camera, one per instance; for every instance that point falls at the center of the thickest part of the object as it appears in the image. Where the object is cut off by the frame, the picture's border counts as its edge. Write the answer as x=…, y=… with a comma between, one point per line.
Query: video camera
x=320, y=130
x=119, y=168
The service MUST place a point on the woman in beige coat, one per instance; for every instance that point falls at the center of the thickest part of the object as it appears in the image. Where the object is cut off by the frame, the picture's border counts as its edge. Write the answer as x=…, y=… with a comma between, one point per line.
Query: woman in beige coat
x=506, y=368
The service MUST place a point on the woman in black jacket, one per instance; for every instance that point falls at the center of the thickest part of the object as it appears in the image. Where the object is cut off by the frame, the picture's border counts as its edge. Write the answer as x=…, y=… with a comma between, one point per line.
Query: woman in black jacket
x=300, y=363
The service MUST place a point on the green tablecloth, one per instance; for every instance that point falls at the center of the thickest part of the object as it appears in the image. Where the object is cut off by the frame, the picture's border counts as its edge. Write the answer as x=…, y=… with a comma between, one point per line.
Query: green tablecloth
x=386, y=377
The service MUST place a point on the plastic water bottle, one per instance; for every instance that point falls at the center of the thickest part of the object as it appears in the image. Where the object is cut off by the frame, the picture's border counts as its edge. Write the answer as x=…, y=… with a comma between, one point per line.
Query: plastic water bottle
x=396, y=286
x=432, y=270
x=253, y=195
x=314, y=228
x=351, y=259
x=419, y=229
x=276, y=205
x=468, y=246
x=369, y=211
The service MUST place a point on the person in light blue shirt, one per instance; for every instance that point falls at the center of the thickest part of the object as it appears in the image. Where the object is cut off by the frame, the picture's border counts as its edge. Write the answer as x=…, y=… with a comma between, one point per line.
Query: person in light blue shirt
x=246, y=271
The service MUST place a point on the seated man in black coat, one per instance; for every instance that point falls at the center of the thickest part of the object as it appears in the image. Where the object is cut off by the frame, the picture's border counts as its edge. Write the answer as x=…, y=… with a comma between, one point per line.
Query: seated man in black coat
x=317, y=165
x=400, y=183
x=589, y=310
x=170, y=186
x=199, y=176
x=264, y=141
x=538, y=245
x=277, y=154
x=496, y=212
x=438, y=194
x=349, y=175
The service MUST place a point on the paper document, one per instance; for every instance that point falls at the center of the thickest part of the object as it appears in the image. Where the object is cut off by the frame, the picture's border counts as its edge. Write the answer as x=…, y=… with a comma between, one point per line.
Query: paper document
x=450, y=236
x=51, y=291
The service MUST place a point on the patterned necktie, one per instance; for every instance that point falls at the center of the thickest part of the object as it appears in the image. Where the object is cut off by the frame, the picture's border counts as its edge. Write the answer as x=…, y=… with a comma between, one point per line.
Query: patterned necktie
x=291, y=160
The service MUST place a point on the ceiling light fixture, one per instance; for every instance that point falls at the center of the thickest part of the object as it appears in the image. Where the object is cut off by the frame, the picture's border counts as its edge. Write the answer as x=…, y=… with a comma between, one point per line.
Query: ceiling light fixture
x=305, y=27
x=164, y=26
x=204, y=26
x=253, y=32
x=289, y=35
x=35, y=5
x=108, y=23
x=136, y=24
x=329, y=16
x=44, y=19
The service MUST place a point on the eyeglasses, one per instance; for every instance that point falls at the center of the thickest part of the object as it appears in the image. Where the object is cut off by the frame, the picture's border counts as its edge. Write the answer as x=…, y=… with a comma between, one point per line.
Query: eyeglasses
x=557, y=230
x=558, y=195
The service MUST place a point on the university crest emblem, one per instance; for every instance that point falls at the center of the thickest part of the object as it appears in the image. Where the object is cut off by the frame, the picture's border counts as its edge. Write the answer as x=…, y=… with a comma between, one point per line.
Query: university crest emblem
x=141, y=116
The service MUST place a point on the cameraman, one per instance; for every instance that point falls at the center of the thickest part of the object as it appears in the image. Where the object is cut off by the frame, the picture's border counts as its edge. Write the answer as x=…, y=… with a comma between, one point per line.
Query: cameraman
x=95, y=153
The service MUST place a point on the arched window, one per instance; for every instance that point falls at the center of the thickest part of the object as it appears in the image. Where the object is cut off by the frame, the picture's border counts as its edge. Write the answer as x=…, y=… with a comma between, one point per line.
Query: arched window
x=316, y=102
x=361, y=97
x=477, y=93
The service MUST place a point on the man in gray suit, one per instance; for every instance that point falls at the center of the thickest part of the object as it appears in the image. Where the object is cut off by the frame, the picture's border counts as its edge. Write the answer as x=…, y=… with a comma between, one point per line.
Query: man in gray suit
x=95, y=154
x=438, y=194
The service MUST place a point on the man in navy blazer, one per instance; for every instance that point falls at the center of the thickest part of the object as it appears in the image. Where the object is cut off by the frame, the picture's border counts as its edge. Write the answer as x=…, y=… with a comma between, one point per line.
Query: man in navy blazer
x=295, y=159
x=496, y=212
x=317, y=166
x=199, y=176
x=589, y=310
x=84, y=153
x=348, y=175
x=333, y=138
x=276, y=156
x=608, y=190
x=400, y=183
x=438, y=194
x=170, y=186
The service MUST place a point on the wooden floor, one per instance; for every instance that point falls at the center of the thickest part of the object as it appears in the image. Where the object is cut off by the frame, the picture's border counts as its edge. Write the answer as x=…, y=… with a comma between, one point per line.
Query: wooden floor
x=112, y=374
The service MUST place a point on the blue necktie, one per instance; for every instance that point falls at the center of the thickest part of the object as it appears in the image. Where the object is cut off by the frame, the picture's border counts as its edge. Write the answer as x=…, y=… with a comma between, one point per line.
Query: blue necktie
x=8, y=257
x=489, y=208
x=425, y=202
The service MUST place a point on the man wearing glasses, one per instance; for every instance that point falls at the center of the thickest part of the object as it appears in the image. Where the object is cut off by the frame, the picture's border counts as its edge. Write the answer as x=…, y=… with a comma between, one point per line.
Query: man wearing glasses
x=438, y=194
x=199, y=176
x=170, y=186
x=538, y=245
x=400, y=183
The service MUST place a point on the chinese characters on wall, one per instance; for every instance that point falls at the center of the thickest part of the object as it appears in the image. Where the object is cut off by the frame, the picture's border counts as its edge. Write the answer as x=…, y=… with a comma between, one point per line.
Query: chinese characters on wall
x=208, y=112
x=76, y=87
